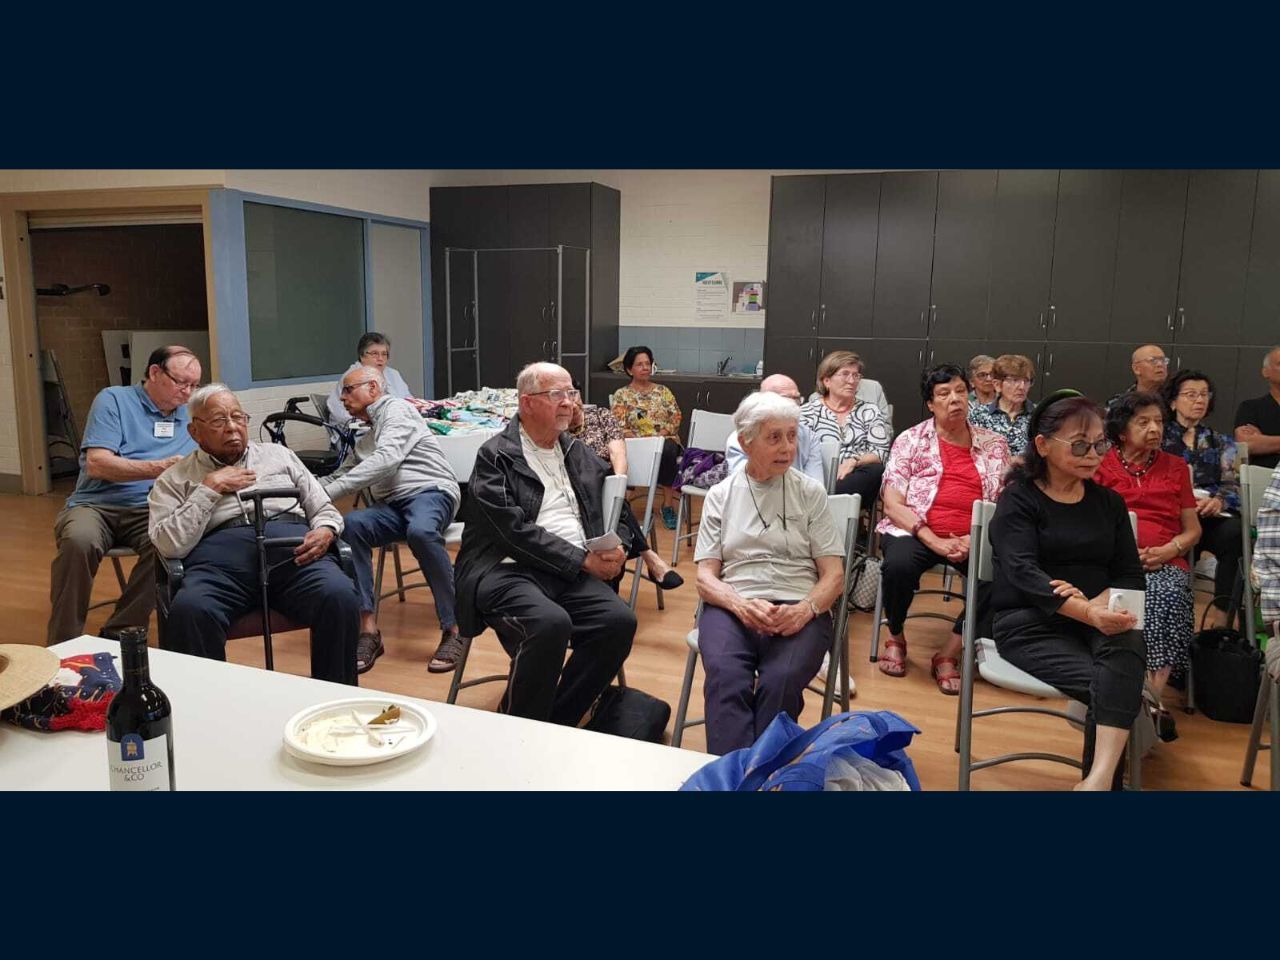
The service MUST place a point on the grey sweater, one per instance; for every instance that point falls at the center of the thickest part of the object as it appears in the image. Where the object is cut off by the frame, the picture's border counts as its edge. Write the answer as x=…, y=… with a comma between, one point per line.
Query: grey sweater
x=398, y=458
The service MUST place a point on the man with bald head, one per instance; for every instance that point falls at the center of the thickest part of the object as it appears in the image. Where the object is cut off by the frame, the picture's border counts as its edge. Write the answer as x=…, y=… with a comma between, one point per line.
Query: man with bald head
x=412, y=496
x=808, y=447
x=1258, y=420
x=197, y=516
x=132, y=434
x=1150, y=370
x=524, y=568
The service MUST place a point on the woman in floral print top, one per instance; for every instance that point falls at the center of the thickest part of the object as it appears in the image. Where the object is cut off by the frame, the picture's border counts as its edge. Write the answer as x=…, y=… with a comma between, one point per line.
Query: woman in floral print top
x=1214, y=460
x=648, y=409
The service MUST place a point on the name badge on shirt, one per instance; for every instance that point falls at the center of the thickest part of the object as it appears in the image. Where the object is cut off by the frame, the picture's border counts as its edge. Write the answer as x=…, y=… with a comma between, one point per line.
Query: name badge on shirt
x=164, y=429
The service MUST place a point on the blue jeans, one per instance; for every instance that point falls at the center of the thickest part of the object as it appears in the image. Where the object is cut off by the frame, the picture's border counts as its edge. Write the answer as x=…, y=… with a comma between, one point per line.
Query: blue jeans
x=420, y=520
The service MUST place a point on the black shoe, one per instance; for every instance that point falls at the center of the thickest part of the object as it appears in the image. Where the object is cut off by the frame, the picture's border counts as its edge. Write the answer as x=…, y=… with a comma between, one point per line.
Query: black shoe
x=445, y=659
x=368, y=649
x=1166, y=729
x=670, y=580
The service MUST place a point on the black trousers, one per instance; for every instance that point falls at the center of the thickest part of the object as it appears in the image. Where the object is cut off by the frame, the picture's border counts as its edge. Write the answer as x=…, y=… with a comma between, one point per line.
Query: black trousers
x=538, y=617
x=905, y=560
x=221, y=585
x=864, y=480
x=1104, y=673
x=1221, y=537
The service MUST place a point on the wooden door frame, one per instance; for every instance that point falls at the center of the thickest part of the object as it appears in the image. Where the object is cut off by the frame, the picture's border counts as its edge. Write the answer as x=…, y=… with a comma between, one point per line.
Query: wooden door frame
x=15, y=208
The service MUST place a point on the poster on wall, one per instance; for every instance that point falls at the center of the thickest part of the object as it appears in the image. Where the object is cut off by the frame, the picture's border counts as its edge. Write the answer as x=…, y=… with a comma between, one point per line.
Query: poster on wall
x=710, y=296
x=748, y=296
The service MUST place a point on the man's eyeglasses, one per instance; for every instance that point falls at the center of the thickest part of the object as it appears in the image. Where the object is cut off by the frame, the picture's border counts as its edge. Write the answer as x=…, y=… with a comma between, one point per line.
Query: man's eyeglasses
x=180, y=384
x=557, y=396
x=1016, y=381
x=1197, y=395
x=348, y=388
x=1158, y=361
x=1081, y=448
x=220, y=423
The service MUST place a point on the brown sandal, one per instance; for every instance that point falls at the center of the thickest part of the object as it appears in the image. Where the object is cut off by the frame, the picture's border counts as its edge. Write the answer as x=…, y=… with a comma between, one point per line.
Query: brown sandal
x=891, y=667
x=939, y=660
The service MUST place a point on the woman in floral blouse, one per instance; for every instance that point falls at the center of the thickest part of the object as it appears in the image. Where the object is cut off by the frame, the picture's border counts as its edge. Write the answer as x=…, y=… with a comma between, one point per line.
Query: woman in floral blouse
x=648, y=409
x=1214, y=462
x=859, y=427
x=936, y=471
x=1009, y=412
x=600, y=430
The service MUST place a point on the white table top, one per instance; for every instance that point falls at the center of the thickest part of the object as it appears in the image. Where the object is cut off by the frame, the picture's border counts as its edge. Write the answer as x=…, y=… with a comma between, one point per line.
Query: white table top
x=228, y=724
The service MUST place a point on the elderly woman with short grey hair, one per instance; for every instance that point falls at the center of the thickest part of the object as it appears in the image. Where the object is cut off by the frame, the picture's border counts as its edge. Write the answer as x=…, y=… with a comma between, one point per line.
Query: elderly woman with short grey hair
x=770, y=567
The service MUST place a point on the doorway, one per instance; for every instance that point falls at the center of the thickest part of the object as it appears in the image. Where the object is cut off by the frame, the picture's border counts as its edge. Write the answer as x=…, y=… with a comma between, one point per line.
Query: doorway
x=106, y=296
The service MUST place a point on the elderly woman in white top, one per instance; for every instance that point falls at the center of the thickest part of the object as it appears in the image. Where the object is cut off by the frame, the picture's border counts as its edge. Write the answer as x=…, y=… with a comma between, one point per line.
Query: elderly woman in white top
x=769, y=569
x=860, y=428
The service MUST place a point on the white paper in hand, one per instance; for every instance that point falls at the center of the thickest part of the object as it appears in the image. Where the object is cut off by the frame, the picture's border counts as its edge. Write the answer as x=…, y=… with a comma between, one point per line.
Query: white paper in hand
x=605, y=543
x=1129, y=601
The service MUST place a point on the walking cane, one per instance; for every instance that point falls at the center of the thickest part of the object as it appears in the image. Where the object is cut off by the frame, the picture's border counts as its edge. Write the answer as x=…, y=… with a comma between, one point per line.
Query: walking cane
x=263, y=543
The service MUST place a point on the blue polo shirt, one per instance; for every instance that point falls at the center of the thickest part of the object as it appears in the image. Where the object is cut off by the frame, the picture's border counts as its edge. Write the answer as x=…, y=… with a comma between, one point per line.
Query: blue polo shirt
x=124, y=421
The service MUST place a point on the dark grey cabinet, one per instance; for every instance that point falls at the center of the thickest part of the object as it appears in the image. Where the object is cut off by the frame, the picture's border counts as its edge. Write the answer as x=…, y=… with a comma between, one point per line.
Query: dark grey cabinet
x=849, y=230
x=1078, y=366
x=904, y=254
x=1148, y=252
x=962, y=252
x=795, y=255
x=531, y=304
x=1086, y=232
x=1022, y=253
x=795, y=356
x=1215, y=256
x=1261, y=323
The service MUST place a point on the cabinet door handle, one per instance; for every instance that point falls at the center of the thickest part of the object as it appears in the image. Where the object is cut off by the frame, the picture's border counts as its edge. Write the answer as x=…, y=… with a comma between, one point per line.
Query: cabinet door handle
x=822, y=315
x=1050, y=368
x=555, y=347
x=931, y=358
x=1168, y=321
x=933, y=314
x=813, y=320
x=1053, y=316
x=551, y=309
x=1177, y=362
x=811, y=349
x=1182, y=319
x=1042, y=323
x=924, y=323
x=1039, y=365
x=920, y=358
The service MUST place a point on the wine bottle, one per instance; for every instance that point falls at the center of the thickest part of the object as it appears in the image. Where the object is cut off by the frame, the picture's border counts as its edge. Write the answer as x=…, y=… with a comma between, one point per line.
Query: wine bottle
x=139, y=723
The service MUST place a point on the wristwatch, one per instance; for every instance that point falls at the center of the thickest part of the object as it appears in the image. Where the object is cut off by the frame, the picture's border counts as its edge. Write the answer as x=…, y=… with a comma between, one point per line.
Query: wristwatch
x=814, y=607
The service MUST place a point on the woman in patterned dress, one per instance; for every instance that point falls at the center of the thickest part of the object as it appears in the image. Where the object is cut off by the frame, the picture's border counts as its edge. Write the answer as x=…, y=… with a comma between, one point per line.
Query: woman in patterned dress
x=648, y=409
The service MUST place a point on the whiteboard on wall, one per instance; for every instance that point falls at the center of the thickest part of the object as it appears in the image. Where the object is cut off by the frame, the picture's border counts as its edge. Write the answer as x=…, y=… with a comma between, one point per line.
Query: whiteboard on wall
x=142, y=342
x=395, y=260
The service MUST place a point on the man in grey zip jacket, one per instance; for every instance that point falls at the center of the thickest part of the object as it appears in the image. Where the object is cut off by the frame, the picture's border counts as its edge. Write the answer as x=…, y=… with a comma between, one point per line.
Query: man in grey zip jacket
x=535, y=499
x=413, y=495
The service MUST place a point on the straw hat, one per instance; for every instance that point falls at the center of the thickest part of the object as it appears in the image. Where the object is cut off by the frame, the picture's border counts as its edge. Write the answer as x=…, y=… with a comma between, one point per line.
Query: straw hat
x=24, y=670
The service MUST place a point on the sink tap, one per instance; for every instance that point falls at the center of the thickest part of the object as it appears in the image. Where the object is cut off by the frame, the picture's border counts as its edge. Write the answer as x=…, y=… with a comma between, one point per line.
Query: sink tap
x=723, y=365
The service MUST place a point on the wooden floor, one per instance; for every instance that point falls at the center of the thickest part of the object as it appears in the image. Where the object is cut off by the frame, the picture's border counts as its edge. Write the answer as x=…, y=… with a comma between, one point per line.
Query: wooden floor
x=1208, y=756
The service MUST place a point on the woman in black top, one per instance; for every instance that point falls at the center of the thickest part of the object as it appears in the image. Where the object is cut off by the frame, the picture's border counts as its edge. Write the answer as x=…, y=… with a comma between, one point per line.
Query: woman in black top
x=1059, y=543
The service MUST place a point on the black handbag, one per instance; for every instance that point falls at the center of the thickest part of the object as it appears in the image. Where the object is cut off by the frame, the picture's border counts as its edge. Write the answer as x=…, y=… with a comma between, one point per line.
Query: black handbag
x=628, y=712
x=1226, y=668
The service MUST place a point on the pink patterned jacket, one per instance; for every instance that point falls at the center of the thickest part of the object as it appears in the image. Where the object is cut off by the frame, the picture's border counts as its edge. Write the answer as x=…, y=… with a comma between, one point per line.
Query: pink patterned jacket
x=915, y=467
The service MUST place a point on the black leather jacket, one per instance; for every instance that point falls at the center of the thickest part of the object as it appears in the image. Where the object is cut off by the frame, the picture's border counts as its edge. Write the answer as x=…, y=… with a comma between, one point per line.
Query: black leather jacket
x=501, y=512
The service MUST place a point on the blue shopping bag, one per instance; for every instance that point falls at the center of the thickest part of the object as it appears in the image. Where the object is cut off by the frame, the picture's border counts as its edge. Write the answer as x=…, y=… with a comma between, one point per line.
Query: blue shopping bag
x=788, y=757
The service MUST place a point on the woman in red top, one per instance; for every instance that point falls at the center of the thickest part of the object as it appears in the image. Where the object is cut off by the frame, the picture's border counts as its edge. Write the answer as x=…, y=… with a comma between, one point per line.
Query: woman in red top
x=1157, y=487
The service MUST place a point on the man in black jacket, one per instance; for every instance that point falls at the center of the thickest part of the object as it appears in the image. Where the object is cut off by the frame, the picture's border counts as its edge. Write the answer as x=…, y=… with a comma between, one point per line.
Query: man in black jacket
x=535, y=499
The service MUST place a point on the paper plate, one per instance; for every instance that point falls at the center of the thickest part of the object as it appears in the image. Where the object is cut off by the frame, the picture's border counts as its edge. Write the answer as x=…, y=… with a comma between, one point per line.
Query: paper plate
x=327, y=733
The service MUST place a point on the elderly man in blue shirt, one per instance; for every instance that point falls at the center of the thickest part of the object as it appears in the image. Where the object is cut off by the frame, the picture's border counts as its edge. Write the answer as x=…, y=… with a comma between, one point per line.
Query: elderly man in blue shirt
x=808, y=448
x=132, y=435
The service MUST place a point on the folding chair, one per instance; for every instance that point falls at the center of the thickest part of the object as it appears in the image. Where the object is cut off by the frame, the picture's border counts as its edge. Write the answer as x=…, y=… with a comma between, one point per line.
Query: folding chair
x=844, y=514
x=981, y=653
x=115, y=553
x=707, y=431
x=1253, y=484
x=1268, y=701
x=460, y=451
x=878, y=619
x=830, y=462
x=615, y=489
x=644, y=458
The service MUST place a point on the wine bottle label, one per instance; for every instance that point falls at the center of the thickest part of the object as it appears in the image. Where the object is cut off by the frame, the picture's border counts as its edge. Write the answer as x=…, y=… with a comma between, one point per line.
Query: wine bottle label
x=137, y=764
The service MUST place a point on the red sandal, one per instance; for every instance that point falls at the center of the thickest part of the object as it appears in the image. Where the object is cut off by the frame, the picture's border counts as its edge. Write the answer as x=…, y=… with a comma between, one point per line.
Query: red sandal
x=894, y=668
x=939, y=660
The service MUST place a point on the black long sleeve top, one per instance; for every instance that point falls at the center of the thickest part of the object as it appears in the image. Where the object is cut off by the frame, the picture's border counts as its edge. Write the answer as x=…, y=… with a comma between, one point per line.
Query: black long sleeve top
x=1035, y=539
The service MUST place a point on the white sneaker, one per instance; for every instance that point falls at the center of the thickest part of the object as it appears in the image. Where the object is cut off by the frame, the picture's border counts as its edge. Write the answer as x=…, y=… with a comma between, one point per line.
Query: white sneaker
x=822, y=677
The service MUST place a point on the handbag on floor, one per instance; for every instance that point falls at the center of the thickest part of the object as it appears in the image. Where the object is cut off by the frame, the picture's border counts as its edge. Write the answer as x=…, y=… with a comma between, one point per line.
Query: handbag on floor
x=1226, y=668
x=866, y=584
x=628, y=712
